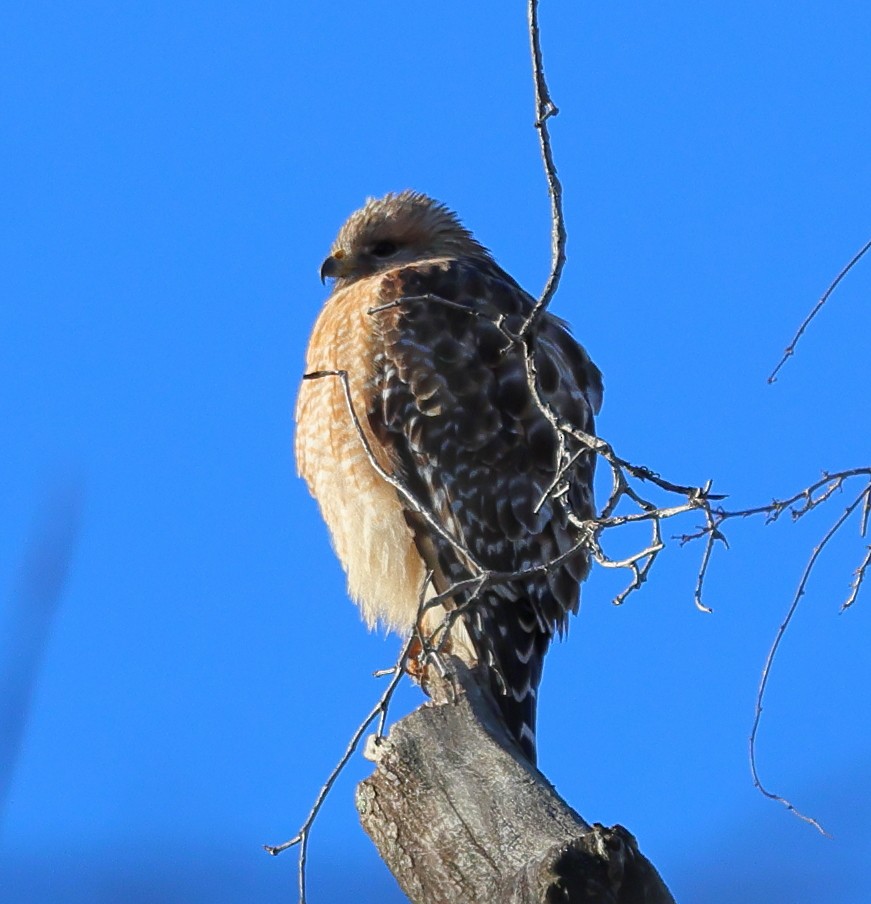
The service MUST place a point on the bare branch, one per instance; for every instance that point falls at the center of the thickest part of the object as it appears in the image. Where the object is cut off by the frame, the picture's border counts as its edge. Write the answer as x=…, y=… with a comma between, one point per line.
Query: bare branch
x=27, y=621
x=790, y=349
x=302, y=837
x=866, y=512
x=858, y=578
x=713, y=535
x=545, y=108
x=798, y=505
x=772, y=653
x=625, y=477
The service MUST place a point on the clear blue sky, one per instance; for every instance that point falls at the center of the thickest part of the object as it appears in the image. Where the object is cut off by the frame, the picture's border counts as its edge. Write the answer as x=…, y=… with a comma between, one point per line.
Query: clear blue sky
x=172, y=176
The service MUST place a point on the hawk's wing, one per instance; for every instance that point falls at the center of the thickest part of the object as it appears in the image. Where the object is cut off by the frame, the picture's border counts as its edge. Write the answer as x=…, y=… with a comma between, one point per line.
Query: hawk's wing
x=454, y=409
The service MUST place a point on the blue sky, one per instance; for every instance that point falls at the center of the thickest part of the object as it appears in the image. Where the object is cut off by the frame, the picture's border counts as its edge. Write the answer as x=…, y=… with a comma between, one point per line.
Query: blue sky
x=173, y=174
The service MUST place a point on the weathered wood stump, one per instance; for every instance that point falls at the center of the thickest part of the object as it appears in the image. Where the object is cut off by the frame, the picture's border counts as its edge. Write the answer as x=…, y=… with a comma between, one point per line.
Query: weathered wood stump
x=460, y=817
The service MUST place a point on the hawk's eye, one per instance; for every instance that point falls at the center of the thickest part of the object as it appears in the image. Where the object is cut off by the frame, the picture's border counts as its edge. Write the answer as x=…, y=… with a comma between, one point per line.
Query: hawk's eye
x=384, y=248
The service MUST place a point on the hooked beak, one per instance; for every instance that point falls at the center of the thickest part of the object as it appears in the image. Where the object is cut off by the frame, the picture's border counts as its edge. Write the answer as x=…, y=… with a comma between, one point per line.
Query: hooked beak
x=331, y=267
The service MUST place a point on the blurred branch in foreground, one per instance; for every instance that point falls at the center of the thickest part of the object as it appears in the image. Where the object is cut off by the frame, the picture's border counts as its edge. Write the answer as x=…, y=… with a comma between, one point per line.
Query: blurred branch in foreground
x=26, y=623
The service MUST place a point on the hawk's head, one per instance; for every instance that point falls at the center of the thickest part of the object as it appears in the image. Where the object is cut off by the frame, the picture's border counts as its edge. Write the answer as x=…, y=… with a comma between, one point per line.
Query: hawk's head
x=397, y=229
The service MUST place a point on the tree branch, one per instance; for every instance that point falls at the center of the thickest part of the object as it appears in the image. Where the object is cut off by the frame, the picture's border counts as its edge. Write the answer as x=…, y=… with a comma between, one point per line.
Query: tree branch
x=789, y=351
x=25, y=624
x=772, y=653
x=459, y=815
x=545, y=108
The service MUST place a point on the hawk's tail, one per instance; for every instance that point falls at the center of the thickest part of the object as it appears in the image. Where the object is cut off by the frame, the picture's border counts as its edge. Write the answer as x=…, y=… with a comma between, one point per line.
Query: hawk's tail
x=511, y=643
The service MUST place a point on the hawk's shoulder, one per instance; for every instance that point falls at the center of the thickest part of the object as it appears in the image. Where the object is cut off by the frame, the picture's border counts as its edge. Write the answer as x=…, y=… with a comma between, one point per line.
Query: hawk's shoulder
x=458, y=319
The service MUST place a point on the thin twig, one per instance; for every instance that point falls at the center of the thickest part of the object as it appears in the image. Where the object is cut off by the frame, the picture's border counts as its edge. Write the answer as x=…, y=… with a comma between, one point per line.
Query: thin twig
x=790, y=349
x=713, y=535
x=406, y=653
x=808, y=498
x=302, y=837
x=772, y=653
x=545, y=108
x=858, y=578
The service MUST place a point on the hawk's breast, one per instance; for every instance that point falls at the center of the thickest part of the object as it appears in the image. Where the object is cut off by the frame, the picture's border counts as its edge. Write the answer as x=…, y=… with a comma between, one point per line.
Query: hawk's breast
x=362, y=511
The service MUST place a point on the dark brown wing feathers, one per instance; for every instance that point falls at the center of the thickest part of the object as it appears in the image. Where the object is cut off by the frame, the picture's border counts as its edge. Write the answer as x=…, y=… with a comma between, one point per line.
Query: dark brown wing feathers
x=453, y=406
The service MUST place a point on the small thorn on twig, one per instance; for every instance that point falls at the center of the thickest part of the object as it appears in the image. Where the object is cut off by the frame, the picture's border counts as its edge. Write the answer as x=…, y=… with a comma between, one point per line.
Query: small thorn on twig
x=383, y=673
x=717, y=534
x=276, y=849
x=550, y=110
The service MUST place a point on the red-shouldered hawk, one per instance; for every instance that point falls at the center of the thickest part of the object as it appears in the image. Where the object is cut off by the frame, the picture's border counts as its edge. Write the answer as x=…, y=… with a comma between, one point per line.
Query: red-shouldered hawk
x=425, y=322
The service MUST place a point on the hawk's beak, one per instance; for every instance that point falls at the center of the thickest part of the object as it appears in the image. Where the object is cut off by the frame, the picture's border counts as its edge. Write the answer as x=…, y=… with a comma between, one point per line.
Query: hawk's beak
x=332, y=266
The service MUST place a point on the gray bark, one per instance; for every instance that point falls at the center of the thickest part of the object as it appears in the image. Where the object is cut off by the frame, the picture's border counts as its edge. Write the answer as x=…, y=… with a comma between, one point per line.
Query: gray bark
x=459, y=815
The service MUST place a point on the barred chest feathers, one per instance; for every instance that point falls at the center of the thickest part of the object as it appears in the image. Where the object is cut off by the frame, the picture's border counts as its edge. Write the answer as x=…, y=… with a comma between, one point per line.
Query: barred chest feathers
x=362, y=511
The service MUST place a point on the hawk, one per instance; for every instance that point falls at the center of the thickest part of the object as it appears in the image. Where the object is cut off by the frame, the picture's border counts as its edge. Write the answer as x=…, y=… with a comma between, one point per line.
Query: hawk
x=427, y=331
